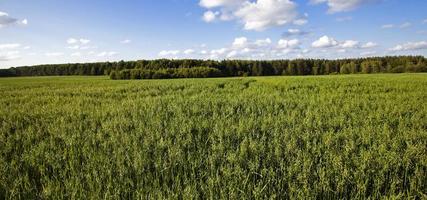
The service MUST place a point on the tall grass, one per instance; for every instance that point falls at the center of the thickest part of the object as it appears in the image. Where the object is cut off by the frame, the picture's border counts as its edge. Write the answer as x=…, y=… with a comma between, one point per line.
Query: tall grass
x=332, y=137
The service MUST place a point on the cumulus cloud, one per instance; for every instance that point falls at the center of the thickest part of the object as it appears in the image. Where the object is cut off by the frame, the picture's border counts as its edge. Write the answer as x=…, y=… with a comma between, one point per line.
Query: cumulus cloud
x=263, y=42
x=77, y=41
x=6, y=20
x=240, y=42
x=189, y=51
x=127, y=41
x=300, y=22
x=9, y=46
x=405, y=25
x=288, y=44
x=219, y=51
x=324, y=42
x=368, y=53
x=11, y=51
x=76, y=54
x=210, y=16
x=244, y=48
x=72, y=41
x=344, y=5
x=169, y=53
x=79, y=44
x=263, y=14
x=220, y=3
x=254, y=15
x=84, y=41
x=344, y=19
x=349, y=44
x=402, y=26
x=369, y=45
x=107, y=53
x=54, y=54
x=387, y=26
x=295, y=32
x=10, y=55
x=343, y=46
x=410, y=46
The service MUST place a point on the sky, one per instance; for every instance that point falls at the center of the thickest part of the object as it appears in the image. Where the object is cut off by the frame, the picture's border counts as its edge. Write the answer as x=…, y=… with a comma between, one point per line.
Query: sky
x=52, y=31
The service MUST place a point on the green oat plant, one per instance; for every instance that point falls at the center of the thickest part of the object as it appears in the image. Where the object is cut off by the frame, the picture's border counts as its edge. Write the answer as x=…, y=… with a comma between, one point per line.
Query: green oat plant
x=325, y=137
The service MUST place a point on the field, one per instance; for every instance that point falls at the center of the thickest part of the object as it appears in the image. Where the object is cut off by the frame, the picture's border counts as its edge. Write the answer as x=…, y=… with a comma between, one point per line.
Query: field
x=325, y=137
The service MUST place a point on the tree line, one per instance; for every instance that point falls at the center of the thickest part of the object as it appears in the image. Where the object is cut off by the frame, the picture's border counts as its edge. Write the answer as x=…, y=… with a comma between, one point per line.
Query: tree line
x=195, y=72
x=164, y=68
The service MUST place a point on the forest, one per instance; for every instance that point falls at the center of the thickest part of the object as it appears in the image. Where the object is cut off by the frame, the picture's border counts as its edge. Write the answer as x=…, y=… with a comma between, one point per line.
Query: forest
x=190, y=68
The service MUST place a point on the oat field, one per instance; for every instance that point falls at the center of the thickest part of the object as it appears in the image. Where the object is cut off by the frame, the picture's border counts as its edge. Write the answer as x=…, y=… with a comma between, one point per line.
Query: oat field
x=325, y=137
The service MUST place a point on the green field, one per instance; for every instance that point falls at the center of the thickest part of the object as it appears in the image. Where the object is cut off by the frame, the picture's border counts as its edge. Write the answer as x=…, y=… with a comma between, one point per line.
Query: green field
x=326, y=137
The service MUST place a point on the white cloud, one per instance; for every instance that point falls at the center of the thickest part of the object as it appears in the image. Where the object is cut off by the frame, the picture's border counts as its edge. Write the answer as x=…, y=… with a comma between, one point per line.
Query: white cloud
x=344, y=19
x=425, y=21
x=368, y=53
x=76, y=54
x=232, y=54
x=127, y=41
x=405, y=25
x=107, y=53
x=254, y=15
x=72, y=41
x=348, y=44
x=324, y=42
x=74, y=47
x=189, y=51
x=264, y=42
x=6, y=20
x=264, y=14
x=295, y=32
x=387, y=26
x=10, y=55
x=410, y=46
x=240, y=42
x=300, y=22
x=288, y=44
x=84, y=41
x=328, y=42
x=54, y=54
x=219, y=51
x=77, y=41
x=402, y=26
x=219, y=3
x=169, y=53
x=210, y=16
x=81, y=44
x=369, y=45
x=9, y=46
x=344, y=5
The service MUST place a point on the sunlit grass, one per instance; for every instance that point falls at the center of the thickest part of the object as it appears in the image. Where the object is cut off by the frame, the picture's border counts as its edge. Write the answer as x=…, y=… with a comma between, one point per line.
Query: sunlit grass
x=331, y=137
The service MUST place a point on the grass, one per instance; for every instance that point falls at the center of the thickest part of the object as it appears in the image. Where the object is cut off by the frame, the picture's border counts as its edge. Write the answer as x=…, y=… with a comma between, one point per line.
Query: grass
x=325, y=137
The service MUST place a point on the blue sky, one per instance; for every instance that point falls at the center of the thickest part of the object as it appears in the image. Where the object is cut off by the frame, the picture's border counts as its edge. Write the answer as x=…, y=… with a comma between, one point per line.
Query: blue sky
x=52, y=31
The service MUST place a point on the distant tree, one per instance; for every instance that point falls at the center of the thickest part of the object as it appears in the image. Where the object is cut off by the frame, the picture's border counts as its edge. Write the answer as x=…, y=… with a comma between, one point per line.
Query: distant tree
x=345, y=69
